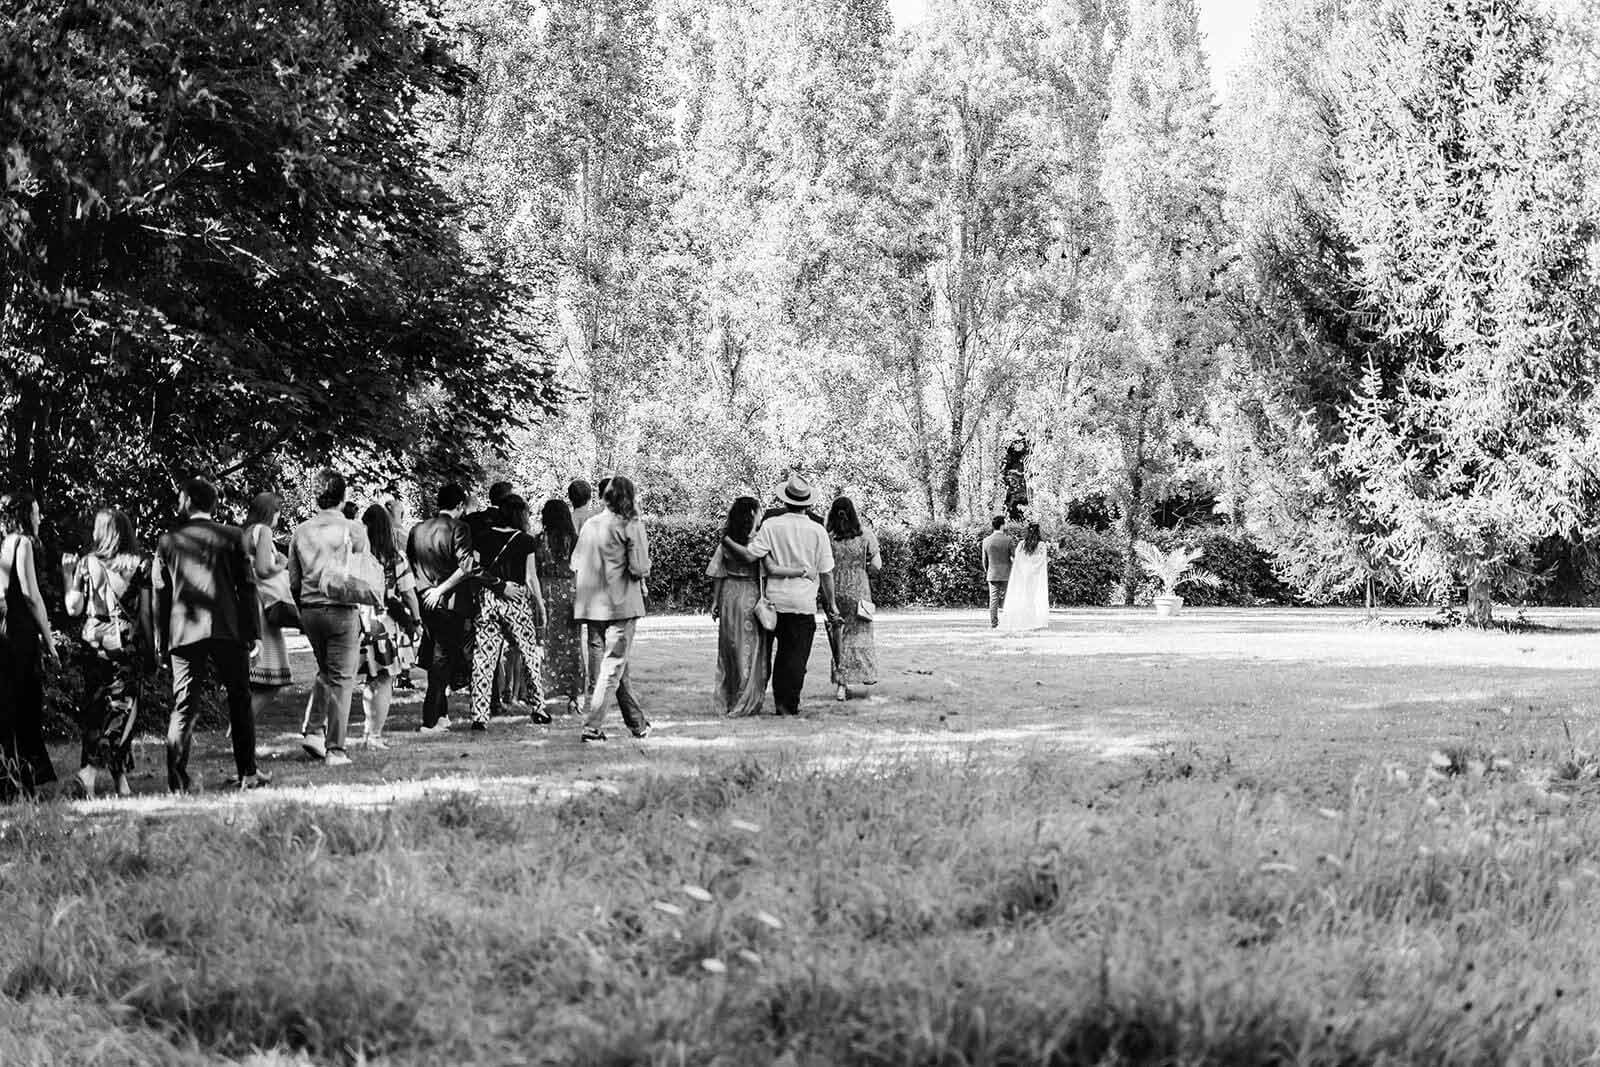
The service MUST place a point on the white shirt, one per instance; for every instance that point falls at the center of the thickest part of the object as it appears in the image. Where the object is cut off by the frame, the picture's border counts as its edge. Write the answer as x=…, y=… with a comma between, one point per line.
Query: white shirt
x=793, y=540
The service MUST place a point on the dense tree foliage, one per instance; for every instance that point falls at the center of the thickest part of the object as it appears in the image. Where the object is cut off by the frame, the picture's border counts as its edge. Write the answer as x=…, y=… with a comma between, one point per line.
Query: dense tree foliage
x=223, y=241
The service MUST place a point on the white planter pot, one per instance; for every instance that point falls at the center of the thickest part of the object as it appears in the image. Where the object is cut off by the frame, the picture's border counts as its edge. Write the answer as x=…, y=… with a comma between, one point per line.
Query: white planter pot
x=1168, y=606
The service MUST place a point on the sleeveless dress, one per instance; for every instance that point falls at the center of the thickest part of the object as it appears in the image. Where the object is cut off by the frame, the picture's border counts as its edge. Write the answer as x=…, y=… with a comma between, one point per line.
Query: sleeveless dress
x=744, y=649
x=24, y=761
x=856, y=657
x=270, y=669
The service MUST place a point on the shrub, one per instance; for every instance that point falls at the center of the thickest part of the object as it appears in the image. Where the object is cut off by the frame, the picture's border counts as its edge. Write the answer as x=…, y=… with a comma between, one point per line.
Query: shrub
x=680, y=548
x=1084, y=567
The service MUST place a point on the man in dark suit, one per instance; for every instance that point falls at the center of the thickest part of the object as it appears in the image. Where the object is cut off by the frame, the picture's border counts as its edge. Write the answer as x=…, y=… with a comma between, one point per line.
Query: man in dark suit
x=206, y=618
x=440, y=552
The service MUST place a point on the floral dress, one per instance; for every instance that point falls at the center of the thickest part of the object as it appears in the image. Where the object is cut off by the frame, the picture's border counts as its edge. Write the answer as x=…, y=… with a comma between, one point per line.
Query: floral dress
x=563, y=670
x=855, y=659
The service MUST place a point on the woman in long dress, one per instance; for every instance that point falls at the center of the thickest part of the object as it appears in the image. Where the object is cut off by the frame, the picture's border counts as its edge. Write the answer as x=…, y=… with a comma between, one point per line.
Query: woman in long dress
x=855, y=559
x=1028, y=592
x=564, y=674
x=744, y=649
x=110, y=588
x=269, y=670
x=26, y=642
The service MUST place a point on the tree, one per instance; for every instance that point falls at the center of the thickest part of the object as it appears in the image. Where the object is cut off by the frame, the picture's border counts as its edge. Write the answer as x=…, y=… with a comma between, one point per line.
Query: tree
x=1475, y=262
x=223, y=239
x=1156, y=350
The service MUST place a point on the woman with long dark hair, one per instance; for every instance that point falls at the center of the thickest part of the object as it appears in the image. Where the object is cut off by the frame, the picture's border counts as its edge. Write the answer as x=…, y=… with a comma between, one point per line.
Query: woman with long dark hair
x=564, y=674
x=110, y=587
x=388, y=631
x=512, y=609
x=26, y=641
x=744, y=649
x=611, y=565
x=1028, y=591
x=855, y=558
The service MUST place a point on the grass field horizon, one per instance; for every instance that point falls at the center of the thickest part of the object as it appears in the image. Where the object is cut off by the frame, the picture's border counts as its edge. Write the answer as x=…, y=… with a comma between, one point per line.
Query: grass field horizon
x=1242, y=836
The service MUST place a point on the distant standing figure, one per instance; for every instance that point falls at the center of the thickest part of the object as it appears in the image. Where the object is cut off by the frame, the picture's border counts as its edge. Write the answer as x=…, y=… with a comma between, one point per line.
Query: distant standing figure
x=563, y=636
x=611, y=564
x=792, y=540
x=855, y=559
x=440, y=553
x=1028, y=593
x=25, y=640
x=998, y=548
x=206, y=614
x=110, y=588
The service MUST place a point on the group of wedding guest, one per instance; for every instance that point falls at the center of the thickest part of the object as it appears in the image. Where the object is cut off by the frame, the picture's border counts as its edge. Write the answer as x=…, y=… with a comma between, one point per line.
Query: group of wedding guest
x=214, y=600
x=771, y=574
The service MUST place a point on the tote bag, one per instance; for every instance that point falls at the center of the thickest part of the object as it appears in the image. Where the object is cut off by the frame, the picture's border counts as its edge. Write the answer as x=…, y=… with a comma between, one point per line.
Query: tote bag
x=353, y=577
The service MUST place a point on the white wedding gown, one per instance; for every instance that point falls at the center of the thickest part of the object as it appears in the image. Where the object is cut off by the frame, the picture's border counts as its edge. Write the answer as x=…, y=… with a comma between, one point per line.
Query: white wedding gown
x=1028, y=592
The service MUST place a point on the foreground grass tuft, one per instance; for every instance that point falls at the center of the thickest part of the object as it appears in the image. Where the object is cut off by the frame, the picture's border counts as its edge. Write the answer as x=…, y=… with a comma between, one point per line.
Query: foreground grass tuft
x=935, y=912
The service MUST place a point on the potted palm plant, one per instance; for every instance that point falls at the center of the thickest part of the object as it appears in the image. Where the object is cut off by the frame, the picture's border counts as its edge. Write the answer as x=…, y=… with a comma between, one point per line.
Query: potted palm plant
x=1172, y=569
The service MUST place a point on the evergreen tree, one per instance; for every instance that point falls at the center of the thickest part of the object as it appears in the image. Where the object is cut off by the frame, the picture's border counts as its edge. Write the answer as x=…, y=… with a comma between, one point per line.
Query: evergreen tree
x=1473, y=260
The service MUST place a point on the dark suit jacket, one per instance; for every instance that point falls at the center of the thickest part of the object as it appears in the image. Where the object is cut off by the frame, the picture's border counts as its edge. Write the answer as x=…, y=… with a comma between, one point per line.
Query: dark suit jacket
x=436, y=549
x=205, y=586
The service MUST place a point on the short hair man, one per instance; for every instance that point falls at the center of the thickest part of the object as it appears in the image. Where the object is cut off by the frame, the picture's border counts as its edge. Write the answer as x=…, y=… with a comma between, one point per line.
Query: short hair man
x=997, y=549
x=331, y=625
x=206, y=620
x=793, y=541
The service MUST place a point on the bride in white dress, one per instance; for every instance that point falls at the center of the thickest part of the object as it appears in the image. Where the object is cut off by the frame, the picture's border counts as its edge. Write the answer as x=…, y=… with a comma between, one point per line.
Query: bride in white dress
x=1028, y=591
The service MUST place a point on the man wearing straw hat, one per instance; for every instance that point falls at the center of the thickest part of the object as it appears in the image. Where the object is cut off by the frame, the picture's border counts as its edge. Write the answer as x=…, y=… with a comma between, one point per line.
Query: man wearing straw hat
x=793, y=541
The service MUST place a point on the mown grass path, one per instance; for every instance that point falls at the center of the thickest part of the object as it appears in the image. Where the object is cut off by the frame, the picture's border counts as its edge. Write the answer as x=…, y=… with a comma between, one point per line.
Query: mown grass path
x=1315, y=689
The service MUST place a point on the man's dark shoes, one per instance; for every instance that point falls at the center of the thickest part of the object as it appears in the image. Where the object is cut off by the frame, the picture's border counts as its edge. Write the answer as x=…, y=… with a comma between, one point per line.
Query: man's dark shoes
x=480, y=727
x=539, y=717
x=255, y=781
x=591, y=734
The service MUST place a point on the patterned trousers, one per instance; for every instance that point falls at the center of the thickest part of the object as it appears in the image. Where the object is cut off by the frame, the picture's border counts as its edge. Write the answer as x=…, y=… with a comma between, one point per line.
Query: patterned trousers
x=501, y=619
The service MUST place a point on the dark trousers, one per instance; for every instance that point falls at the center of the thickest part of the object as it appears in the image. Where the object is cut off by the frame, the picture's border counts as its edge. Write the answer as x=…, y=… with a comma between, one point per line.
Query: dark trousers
x=791, y=653
x=448, y=629
x=24, y=761
x=191, y=666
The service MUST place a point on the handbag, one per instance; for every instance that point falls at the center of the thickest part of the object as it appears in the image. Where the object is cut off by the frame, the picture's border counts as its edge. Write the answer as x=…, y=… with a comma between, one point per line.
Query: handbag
x=765, y=611
x=277, y=601
x=353, y=577
x=866, y=611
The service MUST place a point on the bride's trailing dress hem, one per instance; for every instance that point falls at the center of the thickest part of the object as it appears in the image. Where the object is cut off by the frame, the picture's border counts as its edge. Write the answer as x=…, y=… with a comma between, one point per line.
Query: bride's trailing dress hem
x=1028, y=592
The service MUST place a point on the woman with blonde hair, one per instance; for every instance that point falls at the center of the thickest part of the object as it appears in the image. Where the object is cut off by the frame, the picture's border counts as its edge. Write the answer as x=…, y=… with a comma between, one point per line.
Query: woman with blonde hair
x=110, y=588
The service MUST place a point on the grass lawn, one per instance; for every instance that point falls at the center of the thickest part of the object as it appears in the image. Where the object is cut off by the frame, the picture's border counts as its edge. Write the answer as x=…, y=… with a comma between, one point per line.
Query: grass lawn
x=1266, y=836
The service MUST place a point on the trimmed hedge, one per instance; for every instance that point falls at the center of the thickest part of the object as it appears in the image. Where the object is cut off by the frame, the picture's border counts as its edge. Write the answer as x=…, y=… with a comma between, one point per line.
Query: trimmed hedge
x=935, y=565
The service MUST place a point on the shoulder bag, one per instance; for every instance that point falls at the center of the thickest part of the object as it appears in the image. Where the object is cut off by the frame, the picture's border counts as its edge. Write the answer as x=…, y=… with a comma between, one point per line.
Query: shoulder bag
x=353, y=577
x=765, y=612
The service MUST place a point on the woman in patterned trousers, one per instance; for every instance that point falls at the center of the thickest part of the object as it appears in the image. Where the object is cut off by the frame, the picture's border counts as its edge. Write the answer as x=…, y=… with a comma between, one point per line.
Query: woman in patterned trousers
x=511, y=609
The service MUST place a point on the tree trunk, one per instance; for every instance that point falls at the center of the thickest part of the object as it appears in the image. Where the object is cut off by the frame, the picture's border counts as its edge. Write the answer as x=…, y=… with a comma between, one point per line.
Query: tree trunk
x=1480, y=602
x=1130, y=530
x=1132, y=516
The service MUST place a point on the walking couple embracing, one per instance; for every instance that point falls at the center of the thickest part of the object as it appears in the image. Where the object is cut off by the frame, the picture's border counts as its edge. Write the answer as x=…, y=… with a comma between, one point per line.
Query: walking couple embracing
x=771, y=571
